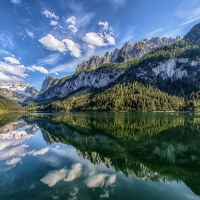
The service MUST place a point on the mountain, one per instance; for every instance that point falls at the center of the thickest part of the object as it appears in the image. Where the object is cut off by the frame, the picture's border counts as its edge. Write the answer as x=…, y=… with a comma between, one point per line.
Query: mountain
x=127, y=52
x=97, y=79
x=46, y=83
x=18, y=92
x=193, y=36
x=168, y=78
x=6, y=105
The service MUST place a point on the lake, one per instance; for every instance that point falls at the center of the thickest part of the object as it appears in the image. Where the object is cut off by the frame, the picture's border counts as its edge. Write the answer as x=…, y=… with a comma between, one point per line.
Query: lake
x=91, y=156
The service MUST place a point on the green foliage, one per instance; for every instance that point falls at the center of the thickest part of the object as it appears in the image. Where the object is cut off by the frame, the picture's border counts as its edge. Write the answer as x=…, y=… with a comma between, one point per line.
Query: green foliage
x=130, y=93
x=7, y=106
x=120, y=97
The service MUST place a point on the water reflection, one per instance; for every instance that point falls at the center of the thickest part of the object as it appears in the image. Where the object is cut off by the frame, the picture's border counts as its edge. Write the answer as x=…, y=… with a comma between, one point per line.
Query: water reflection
x=162, y=148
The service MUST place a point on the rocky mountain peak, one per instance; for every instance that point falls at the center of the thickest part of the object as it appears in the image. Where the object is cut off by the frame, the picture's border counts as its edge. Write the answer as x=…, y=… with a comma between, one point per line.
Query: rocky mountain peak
x=18, y=91
x=127, y=52
x=193, y=36
x=46, y=83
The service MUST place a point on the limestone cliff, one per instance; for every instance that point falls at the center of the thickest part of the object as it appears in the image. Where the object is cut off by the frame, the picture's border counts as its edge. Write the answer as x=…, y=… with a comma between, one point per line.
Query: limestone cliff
x=128, y=51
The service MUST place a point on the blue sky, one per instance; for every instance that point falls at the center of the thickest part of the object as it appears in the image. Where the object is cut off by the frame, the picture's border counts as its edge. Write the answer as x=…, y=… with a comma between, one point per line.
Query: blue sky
x=50, y=37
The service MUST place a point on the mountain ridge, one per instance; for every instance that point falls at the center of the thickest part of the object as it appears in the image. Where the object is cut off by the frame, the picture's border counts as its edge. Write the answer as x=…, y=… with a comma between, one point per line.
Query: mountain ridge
x=168, y=70
x=128, y=51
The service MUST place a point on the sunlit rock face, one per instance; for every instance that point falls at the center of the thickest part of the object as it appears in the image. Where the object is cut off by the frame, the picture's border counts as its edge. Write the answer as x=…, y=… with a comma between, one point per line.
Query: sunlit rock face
x=18, y=92
x=96, y=79
x=46, y=83
x=127, y=52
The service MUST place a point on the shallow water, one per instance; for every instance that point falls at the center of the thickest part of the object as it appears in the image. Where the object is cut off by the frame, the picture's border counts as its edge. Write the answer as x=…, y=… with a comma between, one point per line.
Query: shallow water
x=100, y=156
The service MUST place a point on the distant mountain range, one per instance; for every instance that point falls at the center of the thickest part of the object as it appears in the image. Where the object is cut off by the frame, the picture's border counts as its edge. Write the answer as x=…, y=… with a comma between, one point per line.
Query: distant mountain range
x=18, y=92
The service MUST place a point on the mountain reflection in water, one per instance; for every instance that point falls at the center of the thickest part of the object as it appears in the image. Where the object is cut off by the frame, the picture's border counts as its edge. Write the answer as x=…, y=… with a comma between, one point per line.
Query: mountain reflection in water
x=94, y=150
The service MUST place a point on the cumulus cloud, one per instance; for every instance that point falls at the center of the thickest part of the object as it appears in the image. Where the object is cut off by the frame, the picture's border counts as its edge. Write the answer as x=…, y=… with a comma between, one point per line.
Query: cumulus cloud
x=72, y=24
x=103, y=38
x=17, y=70
x=52, y=43
x=49, y=14
x=73, y=47
x=11, y=70
x=71, y=20
x=110, y=40
x=37, y=68
x=54, y=177
x=15, y=1
x=73, y=29
x=104, y=25
x=29, y=33
x=74, y=172
x=104, y=181
x=12, y=60
x=94, y=39
x=96, y=180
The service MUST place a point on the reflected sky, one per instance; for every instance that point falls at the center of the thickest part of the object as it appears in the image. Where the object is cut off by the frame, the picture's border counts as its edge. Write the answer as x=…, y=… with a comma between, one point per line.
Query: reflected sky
x=33, y=167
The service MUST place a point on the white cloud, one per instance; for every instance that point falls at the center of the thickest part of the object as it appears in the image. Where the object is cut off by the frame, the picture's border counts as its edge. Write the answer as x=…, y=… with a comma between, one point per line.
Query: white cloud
x=40, y=152
x=111, y=180
x=5, y=78
x=17, y=70
x=15, y=1
x=12, y=60
x=74, y=172
x=103, y=38
x=9, y=142
x=16, y=151
x=13, y=161
x=54, y=177
x=110, y=40
x=96, y=180
x=29, y=33
x=94, y=39
x=104, y=25
x=53, y=23
x=52, y=43
x=37, y=68
x=73, y=47
x=73, y=29
x=49, y=14
x=71, y=20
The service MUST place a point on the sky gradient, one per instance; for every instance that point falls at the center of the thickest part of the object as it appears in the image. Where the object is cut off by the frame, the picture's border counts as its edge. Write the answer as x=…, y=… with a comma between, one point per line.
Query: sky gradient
x=42, y=37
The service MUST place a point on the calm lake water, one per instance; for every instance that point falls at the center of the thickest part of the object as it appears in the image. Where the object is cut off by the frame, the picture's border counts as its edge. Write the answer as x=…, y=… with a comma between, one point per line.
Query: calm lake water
x=90, y=156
